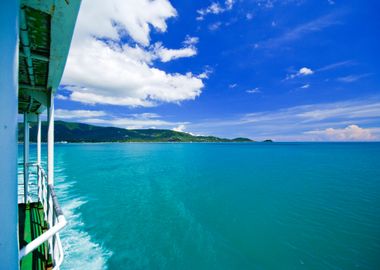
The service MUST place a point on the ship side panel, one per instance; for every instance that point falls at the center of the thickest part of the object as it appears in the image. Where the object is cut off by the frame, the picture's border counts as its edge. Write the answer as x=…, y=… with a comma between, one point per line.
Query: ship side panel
x=9, y=30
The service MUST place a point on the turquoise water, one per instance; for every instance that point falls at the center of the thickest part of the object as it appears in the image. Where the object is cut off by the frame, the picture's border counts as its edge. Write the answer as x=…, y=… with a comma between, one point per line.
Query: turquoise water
x=220, y=206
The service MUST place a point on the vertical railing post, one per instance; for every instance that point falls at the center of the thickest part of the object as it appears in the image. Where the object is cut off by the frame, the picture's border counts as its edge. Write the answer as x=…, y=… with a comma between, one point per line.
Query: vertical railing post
x=9, y=31
x=55, y=247
x=50, y=166
x=26, y=157
x=51, y=140
x=39, y=179
x=38, y=139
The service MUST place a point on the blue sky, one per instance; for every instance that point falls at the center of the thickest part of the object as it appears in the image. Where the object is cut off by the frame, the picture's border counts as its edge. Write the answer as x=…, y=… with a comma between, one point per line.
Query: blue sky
x=290, y=70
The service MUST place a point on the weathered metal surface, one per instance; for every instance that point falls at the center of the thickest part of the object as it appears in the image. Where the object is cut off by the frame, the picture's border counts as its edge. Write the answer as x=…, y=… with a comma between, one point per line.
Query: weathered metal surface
x=46, y=27
x=33, y=71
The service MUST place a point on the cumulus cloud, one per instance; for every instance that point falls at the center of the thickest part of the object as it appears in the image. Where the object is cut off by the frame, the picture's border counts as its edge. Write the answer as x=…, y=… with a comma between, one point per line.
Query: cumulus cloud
x=305, y=71
x=102, y=70
x=349, y=133
x=129, y=17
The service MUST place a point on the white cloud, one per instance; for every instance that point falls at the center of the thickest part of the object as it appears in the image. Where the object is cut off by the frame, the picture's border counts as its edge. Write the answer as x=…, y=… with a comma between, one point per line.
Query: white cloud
x=167, y=55
x=253, y=91
x=352, y=78
x=61, y=97
x=215, y=8
x=128, y=123
x=104, y=75
x=305, y=71
x=302, y=72
x=203, y=75
x=266, y=3
x=134, y=17
x=132, y=121
x=229, y=4
x=291, y=124
x=180, y=128
x=300, y=31
x=215, y=26
x=206, y=74
x=249, y=16
x=146, y=115
x=348, y=120
x=349, y=133
x=305, y=86
x=336, y=65
x=190, y=40
x=101, y=70
x=77, y=114
x=339, y=110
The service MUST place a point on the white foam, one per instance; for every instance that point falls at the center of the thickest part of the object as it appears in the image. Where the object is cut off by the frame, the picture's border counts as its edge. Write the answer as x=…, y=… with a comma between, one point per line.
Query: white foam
x=81, y=252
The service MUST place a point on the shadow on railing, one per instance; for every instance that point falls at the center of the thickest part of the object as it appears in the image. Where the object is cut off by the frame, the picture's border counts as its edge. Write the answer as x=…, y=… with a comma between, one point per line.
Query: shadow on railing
x=41, y=191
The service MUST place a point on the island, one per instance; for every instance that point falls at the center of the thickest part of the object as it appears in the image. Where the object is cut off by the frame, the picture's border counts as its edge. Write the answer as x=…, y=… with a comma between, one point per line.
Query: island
x=78, y=132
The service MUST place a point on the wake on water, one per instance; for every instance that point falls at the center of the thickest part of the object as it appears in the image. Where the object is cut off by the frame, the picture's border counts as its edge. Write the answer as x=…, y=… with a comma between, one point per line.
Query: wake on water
x=80, y=251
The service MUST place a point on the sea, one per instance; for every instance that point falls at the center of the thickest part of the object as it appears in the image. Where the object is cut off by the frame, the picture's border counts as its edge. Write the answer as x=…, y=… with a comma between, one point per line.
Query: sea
x=221, y=206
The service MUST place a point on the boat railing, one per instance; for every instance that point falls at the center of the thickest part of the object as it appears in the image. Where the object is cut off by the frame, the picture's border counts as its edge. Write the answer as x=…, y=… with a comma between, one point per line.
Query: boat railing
x=45, y=194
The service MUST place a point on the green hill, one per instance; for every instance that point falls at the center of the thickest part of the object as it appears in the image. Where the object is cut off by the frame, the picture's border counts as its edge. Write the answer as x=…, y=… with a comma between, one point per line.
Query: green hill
x=77, y=132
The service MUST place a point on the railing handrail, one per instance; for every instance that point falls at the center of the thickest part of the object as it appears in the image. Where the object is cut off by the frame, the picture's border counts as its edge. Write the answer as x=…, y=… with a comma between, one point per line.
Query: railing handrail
x=43, y=237
x=57, y=208
x=53, y=215
x=29, y=163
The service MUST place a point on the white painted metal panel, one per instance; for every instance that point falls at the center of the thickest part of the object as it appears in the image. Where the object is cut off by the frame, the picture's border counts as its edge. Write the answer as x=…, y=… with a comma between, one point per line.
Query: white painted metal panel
x=8, y=133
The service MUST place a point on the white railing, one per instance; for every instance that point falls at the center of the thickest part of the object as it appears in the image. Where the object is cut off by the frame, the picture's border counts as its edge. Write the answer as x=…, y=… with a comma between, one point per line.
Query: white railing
x=53, y=216
x=32, y=189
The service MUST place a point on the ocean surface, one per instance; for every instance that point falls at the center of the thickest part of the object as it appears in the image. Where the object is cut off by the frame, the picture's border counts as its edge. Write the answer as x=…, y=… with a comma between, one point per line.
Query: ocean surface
x=220, y=206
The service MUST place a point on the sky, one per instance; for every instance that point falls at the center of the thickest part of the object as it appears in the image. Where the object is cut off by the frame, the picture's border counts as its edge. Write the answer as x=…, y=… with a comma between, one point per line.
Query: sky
x=287, y=70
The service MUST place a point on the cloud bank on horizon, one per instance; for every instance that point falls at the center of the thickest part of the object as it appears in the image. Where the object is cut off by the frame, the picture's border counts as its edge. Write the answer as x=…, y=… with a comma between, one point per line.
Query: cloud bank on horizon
x=226, y=68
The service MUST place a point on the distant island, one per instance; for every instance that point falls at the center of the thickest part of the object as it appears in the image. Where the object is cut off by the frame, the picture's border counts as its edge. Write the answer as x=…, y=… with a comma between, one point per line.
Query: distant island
x=78, y=132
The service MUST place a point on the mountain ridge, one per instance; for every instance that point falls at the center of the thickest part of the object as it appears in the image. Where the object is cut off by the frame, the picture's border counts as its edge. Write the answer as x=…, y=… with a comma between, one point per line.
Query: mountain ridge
x=80, y=132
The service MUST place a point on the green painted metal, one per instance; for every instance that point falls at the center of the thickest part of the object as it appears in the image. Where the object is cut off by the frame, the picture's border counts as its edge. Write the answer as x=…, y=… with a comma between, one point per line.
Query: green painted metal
x=31, y=225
